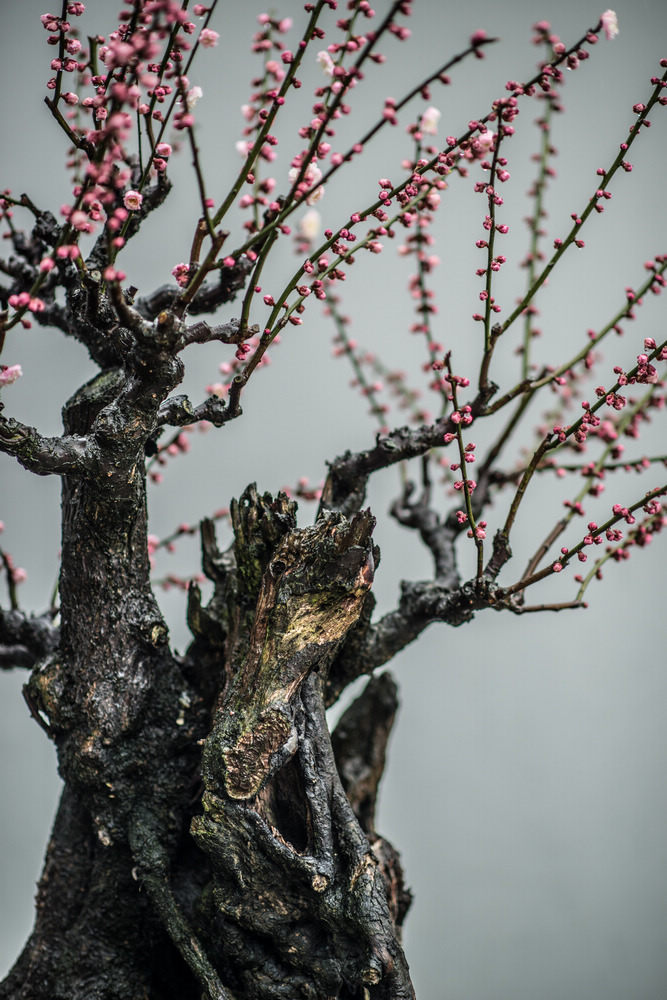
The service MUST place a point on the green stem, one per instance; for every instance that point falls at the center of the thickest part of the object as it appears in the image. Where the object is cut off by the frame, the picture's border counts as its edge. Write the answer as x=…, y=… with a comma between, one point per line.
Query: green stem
x=571, y=553
x=590, y=207
x=535, y=226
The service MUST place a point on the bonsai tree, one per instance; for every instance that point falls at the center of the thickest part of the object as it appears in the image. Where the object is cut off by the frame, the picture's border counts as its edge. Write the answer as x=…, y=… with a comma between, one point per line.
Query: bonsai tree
x=214, y=837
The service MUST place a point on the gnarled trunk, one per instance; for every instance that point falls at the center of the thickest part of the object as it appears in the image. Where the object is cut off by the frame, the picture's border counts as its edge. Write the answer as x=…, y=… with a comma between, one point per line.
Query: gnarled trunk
x=208, y=838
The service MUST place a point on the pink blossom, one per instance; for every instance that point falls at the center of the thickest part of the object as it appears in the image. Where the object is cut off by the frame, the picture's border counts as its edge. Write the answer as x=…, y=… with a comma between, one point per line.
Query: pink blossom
x=312, y=176
x=208, y=38
x=182, y=121
x=9, y=374
x=119, y=54
x=217, y=389
x=79, y=220
x=480, y=146
x=110, y=274
x=133, y=200
x=163, y=149
x=181, y=273
x=609, y=23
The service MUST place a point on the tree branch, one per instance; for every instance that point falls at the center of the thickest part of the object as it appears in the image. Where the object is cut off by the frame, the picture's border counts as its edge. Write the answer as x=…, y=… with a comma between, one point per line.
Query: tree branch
x=439, y=537
x=43, y=455
x=360, y=744
x=153, y=197
x=209, y=297
x=345, y=488
x=421, y=603
x=25, y=639
x=90, y=318
x=179, y=411
x=227, y=333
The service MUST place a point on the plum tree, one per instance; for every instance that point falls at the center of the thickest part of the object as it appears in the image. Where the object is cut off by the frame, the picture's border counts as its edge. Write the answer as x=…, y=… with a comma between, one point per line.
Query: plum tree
x=213, y=837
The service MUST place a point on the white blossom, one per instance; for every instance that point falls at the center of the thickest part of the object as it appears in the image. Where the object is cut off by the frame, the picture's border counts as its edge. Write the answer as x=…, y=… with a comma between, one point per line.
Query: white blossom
x=192, y=96
x=311, y=224
x=429, y=122
x=609, y=24
x=325, y=62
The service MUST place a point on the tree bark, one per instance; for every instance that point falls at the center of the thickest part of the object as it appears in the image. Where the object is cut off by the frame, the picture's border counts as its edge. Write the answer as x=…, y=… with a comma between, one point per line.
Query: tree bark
x=205, y=843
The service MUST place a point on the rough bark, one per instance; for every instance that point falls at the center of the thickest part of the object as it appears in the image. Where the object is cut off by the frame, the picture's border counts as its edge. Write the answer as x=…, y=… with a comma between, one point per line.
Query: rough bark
x=205, y=844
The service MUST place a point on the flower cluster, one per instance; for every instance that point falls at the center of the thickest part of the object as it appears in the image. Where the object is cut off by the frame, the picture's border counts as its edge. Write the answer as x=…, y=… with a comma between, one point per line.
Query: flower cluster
x=9, y=374
x=101, y=91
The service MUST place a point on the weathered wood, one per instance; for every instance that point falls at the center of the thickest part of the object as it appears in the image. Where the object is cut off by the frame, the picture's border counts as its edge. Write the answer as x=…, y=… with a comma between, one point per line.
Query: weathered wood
x=297, y=904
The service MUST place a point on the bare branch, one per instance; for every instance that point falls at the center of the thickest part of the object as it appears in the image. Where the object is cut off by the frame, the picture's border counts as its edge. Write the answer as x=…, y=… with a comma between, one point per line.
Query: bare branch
x=90, y=317
x=208, y=298
x=519, y=609
x=359, y=743
x=15, y=656
x=179, y=412
x=25, y=639
x=43, y=455
x=438, y=537
x=132, y=318
x=345, y=488
x=227, y=333
x=421, y=603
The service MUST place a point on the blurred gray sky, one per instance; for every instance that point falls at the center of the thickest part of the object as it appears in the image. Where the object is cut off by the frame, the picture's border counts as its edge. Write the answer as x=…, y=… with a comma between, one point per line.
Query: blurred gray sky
x=525, y=783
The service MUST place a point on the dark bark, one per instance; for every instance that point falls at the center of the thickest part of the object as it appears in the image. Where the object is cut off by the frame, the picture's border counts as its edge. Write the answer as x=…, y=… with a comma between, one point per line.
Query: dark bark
x=272, y=884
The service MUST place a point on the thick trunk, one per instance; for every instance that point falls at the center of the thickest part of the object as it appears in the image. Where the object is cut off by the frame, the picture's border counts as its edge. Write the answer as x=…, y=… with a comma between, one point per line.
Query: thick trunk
x=249, y=869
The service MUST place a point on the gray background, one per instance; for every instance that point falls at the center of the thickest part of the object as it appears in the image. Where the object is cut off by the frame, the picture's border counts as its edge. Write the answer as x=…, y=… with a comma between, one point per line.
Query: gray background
x=525, y=778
